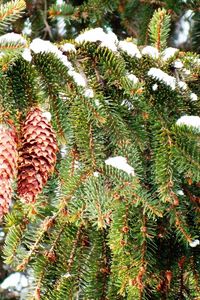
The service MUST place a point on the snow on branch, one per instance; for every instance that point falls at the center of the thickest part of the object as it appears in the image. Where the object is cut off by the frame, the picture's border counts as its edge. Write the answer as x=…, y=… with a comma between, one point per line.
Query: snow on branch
x=108, y=40
x=150, y=51
x=164, y=77
x=120, y=163
x=40, y=46
x=193, y=121
x=130, y=48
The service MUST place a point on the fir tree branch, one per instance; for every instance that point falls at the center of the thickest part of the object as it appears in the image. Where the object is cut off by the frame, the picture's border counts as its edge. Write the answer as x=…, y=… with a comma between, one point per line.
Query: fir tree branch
x=11, y=11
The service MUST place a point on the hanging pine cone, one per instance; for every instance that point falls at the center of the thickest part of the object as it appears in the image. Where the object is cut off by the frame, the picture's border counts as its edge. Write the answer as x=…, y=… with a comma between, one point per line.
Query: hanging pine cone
x=37, y=154
x=8, y=165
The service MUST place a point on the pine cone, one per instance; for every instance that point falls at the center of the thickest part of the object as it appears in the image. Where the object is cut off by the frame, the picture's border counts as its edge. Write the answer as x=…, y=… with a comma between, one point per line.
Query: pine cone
x=8, y=166
x=37, y=155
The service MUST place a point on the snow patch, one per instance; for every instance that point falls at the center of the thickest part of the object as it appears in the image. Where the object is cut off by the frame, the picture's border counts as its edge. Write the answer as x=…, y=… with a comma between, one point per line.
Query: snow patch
x=108, y=40
x=154, y=87
x=120, y=163
x=178, y=64
x=127, y=103
x=40, y=46
x=67, y=47
x=26, y=54
x=78, y=78
x=150, y=51
x=96, y=174
x=193, y=121
x=186, y=71
x=89, y=93
x=12, y=38
x=164, y=77
x=168, y=53
x=133, y=78
x=183, y=85
x=67, y=275
x=63, y=151
x=194, y=243
x=47, y=115
x=130, y=48
x=193, y=97
x=180, y=193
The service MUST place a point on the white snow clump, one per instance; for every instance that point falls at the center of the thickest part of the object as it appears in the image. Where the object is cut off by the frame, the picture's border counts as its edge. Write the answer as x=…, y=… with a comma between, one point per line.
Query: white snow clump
x=67, y=47
x=120, y=163
x=154, y=87
x=130, y=48
x=40, y=46
x=162, y=76
x=182, y=85
x=108, y=40
x=178, y=64
x=26, y=54
x=150, y=51
x=193, y=97
x=133, y=78
x=193, y=121
x=89, y=93
x=169, y=52
x=47, y=115
x=12, y=38
x=78, y=78
x=194, y=243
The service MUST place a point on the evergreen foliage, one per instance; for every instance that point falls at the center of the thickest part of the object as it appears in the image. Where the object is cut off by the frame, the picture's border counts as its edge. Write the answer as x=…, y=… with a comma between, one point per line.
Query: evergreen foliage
x=119, y=216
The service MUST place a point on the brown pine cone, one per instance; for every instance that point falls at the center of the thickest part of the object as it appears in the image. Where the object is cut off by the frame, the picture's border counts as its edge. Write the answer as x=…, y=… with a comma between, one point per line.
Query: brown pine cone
x=37, y=155
x=8, y=165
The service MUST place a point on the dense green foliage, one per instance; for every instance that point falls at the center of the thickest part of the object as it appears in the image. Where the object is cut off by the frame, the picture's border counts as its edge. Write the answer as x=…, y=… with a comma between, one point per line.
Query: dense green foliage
x=98, y=231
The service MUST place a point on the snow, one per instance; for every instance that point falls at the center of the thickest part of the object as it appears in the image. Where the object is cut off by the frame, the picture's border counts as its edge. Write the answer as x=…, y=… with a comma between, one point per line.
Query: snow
x=180, y=192
x=154, y=87
x=26, y=54
x=15, y=280
x=186, y=71
x=194, y=243
x=130, y=48
x=183, y=85
x=67, y=275
x=89, y=93
x=162, y=76
x=193, y=97
x=78, y=78
x=128, y=104
x=193, y=121
x=40, y=46
x=178, y=64
x=169, y=52
x=12, y=38
x=120, y=163
x=92, y=35
x=47, y=115
x=108, y=40
x=133, y=78
x=150, y=51
x=63, y=151
x=96, y=174
x=67, y=47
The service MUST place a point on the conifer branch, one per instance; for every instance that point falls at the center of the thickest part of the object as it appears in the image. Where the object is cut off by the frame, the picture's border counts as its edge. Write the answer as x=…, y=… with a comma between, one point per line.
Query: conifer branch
x=11, y=11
